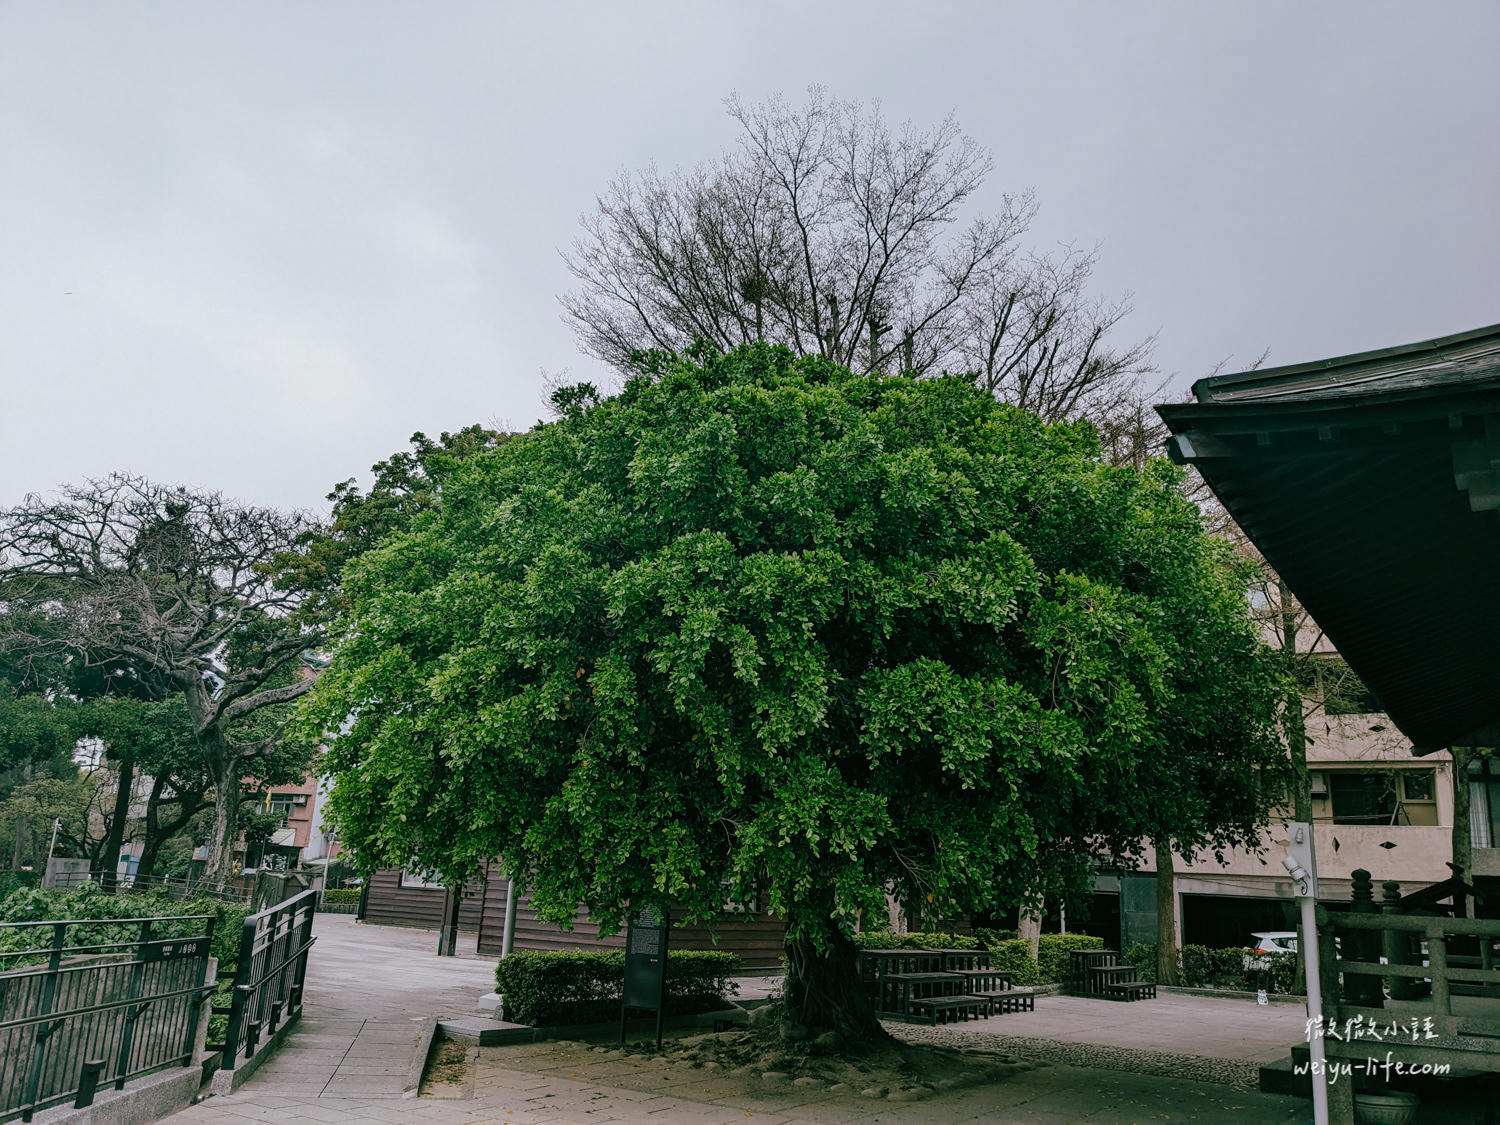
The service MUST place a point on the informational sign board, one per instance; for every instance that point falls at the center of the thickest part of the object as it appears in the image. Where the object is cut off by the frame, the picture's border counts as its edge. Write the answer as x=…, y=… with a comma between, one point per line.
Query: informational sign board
x=645, y=965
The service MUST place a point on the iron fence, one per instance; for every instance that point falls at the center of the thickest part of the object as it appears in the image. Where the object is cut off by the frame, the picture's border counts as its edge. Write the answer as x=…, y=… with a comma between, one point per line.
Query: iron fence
x=96, y=1001
x=269, y=975
x=137, y=884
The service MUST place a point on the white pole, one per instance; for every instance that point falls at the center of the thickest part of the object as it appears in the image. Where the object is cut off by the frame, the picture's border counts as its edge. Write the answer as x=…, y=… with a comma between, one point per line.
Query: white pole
x=1316, y=1055
x=51, y=847
x=1301, y=864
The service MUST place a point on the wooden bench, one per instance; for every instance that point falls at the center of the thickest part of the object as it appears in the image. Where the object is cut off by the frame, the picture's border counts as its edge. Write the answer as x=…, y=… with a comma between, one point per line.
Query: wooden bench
x=1131, y=990
x=946, y=1009
x=1009, y=1000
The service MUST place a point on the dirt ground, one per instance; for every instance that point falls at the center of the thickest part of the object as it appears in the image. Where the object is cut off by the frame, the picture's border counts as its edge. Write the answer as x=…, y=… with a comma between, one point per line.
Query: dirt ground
x=758, y=1064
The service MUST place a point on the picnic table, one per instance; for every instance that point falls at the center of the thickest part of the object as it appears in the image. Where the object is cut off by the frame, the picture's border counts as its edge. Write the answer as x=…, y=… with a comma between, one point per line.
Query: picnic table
x=876, y=964
x=958, y=960
x=898, y=990
x=985, y=979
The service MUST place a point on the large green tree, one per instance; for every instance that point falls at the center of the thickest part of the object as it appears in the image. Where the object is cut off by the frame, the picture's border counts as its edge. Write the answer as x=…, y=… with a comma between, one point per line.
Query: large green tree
x=176, y=585
x=764, y=629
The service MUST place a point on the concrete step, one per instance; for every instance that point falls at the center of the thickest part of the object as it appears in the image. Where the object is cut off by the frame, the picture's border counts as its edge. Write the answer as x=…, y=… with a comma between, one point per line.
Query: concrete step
x=488, y=1033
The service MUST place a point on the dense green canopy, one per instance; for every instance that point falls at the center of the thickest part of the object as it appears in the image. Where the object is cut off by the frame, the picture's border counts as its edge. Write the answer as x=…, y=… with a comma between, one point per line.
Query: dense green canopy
x=762, y=629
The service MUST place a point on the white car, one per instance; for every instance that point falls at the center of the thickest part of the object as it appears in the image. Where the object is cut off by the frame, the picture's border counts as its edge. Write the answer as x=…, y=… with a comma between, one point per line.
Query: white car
x=1276, y=941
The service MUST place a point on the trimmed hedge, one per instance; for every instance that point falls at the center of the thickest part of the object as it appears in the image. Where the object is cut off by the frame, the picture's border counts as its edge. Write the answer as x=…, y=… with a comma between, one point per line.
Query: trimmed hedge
x=557, y=989
x=1202, y=967
x=1053, y=954
x=341, y=896
x=1007, y=952
x=915, y=941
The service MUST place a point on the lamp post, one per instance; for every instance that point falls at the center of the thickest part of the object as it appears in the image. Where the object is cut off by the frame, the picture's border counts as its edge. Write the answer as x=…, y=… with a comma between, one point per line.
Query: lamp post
x=1301, y=865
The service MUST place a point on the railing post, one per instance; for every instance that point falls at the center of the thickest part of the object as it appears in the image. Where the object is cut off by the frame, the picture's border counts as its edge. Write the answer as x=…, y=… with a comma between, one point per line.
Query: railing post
x=1437, y=962
x=122, y=1065
x=1397, y=947
x=45, y=1029
x=299, y=977
x=243, y=971
x=1363, y=989
x=1328, y=970
x=88, y=1082
x=1487, y=963
x=199, y=1012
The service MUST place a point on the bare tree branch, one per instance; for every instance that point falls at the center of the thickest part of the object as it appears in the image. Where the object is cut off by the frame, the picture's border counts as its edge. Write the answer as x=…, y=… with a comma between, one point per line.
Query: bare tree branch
x=829, y=232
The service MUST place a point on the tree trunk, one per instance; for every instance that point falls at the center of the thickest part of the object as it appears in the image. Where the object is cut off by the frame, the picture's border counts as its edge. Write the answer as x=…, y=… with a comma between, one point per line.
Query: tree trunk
x=109, y=860
x=1029, y=929
x=1166, y=915
x=1463, y=843
x=226, y=775
x=824, y=992
x=1293, y=719
x=158, y=832
x=20, y=848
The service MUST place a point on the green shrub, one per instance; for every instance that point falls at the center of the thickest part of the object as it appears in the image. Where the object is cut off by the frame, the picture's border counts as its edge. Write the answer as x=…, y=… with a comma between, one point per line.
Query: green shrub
x=1213, y=968
x=32, y=904
x=886, y=940
x=14, y=880
x=1007, y=952
x=988, y=939
x=1202, y=967
x=1053, y=950
x=555, y=989
x=1014, y=957
x=1143, y=956
x=341, y=896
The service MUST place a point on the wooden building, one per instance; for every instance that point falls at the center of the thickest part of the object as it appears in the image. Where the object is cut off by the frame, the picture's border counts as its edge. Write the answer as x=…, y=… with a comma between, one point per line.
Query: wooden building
x=396, y=898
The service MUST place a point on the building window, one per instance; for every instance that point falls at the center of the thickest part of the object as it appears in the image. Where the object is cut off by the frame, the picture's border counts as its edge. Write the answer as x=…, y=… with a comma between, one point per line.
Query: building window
x=416, y=880
x=1362, y=798
x=1484, y=803
x=1416, y=785
x=284, y=803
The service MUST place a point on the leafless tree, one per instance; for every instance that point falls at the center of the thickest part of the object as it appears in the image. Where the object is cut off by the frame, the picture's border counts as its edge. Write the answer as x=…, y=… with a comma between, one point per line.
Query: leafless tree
x=176, y=584
x=829, y=232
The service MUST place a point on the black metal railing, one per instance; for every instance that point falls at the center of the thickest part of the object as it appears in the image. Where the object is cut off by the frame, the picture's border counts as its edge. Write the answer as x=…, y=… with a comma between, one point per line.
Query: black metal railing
x=94, y=1001
x=269, y=975
x=137, y=884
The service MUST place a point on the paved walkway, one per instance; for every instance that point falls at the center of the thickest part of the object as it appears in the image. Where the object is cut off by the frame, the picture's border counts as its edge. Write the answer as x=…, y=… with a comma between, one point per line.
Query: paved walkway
x=1174, y=1023
x=370, y=986
x=369, y=989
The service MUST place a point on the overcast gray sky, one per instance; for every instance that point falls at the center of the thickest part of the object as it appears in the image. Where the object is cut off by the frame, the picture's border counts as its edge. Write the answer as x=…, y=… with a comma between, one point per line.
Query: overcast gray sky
x=255, y=246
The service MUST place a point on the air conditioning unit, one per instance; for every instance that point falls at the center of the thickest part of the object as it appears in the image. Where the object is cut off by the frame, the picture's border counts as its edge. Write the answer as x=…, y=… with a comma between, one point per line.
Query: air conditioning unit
x=1318, y=783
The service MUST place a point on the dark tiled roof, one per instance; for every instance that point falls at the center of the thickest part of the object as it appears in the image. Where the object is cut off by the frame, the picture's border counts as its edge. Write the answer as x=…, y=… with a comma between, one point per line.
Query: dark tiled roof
x=1371, y=483
x=1445, y=364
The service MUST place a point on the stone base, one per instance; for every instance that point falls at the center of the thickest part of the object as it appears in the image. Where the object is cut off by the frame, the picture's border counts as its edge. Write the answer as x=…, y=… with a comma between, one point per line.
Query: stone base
x=149, y=1098
x=488, y=1033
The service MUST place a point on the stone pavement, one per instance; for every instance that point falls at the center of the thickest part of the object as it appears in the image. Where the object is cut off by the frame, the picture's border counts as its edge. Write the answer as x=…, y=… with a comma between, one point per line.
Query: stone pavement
x=369, y=991
x=1210, y=1026
x=1205, y=1038
x=517, y=1094
x=369, y=987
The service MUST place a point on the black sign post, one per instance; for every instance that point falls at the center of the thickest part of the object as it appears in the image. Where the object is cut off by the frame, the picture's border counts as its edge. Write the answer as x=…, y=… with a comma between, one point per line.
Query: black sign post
x=645, y=966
